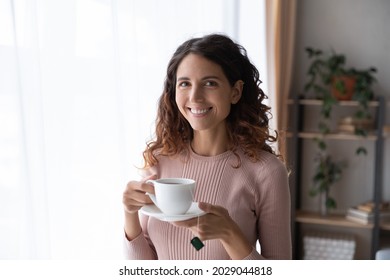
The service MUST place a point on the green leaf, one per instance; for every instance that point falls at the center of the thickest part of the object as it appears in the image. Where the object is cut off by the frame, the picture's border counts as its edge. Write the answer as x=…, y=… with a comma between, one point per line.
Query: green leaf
x=313, y=192
x=340, y=86
x=308, y=86
x=360, y=114
x=323, y=128
x=361, y=151
x=318, y=177
x=360, y=132
x=328, y=102
x=322, y=145
x=331, y=203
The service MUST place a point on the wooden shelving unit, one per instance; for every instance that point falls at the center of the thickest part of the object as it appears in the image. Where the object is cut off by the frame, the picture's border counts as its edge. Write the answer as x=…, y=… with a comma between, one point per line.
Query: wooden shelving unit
x=297, y=137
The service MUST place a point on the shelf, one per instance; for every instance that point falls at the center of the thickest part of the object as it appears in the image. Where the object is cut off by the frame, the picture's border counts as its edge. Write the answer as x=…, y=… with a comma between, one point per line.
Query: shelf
x=330, y=220
x=335, y=136
x=318, y=102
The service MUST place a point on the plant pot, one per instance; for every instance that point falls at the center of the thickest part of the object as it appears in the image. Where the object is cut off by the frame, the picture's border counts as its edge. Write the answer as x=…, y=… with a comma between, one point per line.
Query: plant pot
x=343, y=87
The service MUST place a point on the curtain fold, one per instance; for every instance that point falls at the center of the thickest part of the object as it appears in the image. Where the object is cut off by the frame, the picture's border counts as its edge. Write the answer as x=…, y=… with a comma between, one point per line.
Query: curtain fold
x=280, y=37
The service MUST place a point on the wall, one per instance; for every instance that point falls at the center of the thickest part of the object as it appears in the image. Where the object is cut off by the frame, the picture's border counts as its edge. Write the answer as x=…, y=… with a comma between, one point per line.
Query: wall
x=361, y=30
x=358, y=28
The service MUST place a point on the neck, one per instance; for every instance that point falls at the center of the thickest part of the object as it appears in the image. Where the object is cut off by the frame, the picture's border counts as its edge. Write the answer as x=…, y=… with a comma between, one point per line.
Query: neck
x=209, y=144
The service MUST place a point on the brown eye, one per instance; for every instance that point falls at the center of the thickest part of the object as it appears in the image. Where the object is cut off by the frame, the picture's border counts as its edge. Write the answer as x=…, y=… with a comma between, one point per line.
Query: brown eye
x=211, y=84
x=183, y=84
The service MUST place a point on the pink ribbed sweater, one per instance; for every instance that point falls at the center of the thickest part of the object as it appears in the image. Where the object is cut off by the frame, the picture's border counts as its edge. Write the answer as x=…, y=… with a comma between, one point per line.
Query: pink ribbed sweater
x=256, y=195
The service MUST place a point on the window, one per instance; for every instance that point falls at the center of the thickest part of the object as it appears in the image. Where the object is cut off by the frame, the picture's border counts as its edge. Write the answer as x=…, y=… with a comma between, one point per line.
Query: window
x=79, y=83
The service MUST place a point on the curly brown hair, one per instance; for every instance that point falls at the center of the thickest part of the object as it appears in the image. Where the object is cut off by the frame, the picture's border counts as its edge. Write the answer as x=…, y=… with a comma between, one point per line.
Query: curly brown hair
x=247, y=123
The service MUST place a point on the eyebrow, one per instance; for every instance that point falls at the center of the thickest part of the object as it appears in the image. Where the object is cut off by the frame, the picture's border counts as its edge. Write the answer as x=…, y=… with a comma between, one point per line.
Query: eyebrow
x=204, y=78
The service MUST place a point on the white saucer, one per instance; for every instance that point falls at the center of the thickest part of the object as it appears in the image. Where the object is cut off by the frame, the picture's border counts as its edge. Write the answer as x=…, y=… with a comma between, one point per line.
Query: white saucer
x=152, y=211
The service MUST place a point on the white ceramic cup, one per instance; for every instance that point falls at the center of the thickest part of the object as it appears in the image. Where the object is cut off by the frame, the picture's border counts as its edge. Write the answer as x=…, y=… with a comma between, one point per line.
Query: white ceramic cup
x=173, y=196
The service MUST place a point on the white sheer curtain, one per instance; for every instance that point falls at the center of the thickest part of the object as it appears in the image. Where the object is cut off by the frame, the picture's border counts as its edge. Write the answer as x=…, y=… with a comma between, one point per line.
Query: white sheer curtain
x=79, y=82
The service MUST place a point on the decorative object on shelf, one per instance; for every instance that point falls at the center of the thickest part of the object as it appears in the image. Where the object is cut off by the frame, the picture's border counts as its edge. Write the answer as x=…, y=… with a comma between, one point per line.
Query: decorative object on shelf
x=364, y=213
x=351, y=124
x=369, y=206
x=331, y=81
x=329, y=77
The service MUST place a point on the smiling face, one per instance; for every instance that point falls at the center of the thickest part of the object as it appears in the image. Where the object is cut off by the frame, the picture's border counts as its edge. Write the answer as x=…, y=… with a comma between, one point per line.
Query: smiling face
x=204, y=95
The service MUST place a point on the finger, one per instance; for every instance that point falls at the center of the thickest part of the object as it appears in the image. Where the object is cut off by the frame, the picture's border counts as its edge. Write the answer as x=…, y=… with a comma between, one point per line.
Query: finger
x=200, y=228
x=148, y=187
x=150, y=177
x=134, y=191
x=187, y=223
x=213, y=209
x=134, y=204
x=137, y=196
x=131, y=205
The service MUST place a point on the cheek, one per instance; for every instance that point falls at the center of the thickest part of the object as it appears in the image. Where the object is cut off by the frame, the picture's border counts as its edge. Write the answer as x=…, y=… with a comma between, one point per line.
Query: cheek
x=225, y=106
x=226, y=111
x=180, y=102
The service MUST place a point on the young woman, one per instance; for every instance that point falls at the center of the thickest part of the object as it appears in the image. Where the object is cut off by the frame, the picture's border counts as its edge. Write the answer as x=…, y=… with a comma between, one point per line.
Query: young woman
x=212, y=126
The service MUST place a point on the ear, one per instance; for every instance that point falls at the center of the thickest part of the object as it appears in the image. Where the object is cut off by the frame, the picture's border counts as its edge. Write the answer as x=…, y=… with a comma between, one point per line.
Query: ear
x=237, y=91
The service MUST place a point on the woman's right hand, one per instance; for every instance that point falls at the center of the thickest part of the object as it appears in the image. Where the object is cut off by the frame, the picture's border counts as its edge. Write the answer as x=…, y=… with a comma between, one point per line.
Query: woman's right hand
x=134, y=196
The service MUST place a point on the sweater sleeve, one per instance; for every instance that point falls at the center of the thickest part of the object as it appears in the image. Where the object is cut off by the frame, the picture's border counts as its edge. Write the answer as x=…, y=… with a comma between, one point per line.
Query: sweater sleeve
x=140, y=248
x=273, y=211
x=254, y=255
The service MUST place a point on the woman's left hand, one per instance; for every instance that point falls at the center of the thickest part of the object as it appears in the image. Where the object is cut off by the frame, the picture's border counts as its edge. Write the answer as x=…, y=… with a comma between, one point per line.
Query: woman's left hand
x=217, y=224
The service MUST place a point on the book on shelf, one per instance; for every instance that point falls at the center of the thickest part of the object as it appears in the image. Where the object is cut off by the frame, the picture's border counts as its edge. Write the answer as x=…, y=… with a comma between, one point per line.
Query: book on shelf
x=370, y=206
x=364, y=213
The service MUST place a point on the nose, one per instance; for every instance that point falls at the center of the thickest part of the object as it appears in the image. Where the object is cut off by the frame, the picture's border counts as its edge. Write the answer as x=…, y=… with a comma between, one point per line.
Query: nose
x=196, y=94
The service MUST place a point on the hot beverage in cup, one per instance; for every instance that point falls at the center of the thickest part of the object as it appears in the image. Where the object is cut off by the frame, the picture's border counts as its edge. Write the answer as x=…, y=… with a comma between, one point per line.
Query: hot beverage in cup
x=173, y=196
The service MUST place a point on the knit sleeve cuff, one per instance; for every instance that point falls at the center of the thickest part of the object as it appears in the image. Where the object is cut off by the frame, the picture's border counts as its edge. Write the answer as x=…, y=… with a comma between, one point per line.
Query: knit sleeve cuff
x=138, y=248
x=254, y=255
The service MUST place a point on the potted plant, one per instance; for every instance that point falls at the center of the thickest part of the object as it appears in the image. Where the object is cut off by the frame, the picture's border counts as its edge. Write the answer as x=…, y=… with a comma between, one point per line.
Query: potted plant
x=331, y=81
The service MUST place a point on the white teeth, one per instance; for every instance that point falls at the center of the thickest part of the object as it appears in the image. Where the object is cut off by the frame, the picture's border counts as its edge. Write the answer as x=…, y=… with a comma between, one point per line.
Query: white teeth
x=200, y=111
